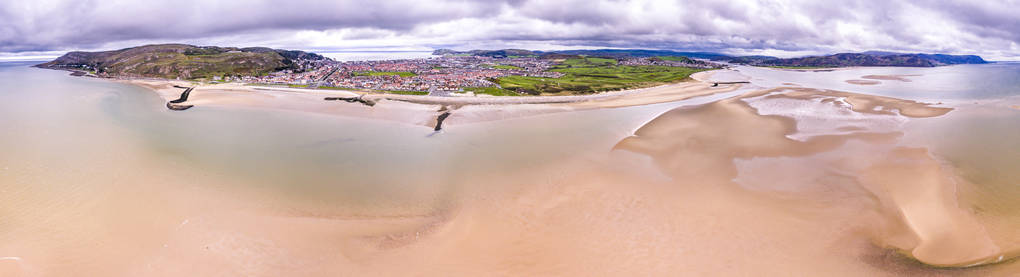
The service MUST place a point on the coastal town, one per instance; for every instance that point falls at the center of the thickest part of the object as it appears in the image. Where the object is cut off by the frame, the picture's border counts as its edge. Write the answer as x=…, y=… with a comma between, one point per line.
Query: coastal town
x=440, y=75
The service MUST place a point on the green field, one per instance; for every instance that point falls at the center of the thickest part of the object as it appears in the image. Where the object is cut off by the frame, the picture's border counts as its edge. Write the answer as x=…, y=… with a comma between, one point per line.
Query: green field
x=591, y=75
x=586, y=62
x=385, y=73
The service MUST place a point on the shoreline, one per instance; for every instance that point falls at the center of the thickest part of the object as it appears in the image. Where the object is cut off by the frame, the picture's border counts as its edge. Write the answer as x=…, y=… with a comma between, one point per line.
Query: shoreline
x=770, y=179
x=421, y=109
x=157, y=84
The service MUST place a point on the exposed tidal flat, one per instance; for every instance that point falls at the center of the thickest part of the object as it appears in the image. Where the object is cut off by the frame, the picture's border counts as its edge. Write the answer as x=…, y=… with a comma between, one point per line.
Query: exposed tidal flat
x=825, y=178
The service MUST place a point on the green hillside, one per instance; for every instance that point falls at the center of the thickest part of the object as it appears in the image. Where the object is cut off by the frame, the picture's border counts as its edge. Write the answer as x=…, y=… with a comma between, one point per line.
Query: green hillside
x=172, y=61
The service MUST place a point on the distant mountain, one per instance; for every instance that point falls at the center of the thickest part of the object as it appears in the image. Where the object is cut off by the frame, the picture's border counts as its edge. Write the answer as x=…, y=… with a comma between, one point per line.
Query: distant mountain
x=881, y=53
x=870, y=58
x=489, y=53
x=609, y=53
x=639, y=53
x=184, y=61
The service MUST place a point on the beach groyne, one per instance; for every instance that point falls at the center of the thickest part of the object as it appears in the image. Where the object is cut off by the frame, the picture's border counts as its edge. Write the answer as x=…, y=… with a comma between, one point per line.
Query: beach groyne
x=358, y=99
x=439, y=121
x=175, y=104
x=716, y=84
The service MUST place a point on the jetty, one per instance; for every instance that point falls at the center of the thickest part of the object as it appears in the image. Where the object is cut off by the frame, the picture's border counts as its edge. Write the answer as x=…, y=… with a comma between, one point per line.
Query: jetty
x=716, y=84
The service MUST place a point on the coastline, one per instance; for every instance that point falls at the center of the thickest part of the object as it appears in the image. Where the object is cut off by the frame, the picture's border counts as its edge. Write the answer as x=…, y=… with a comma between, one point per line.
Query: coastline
x=422, y=109
x=772, y=180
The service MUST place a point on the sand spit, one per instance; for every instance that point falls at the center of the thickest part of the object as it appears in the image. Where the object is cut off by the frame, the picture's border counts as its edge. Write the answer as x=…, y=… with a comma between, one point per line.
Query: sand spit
x=862, y=103
x=863, y=82
x=916, y=201
x=901, y=78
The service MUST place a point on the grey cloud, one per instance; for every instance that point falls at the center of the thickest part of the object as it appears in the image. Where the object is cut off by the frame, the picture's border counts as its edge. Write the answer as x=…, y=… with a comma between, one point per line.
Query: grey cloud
x=785, y=25
x=40, y=25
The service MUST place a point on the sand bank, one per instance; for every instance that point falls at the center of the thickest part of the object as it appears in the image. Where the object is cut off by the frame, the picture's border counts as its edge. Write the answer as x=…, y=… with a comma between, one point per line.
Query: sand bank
x=901, y=77
x=863, y=82
x=917, y=208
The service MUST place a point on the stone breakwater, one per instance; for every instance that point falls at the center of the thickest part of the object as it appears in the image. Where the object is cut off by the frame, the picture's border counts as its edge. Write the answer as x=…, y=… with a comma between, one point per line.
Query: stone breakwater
x=176, y=104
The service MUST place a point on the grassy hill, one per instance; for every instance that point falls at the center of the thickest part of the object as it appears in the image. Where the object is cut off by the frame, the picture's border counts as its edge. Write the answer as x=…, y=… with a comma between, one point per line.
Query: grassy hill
x=183, y=61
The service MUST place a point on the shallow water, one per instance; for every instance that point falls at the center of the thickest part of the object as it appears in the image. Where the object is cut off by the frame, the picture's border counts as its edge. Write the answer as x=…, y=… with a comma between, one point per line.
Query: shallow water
x=980, y=139
x=376, y=55
x=98, y=178
x=958, y=83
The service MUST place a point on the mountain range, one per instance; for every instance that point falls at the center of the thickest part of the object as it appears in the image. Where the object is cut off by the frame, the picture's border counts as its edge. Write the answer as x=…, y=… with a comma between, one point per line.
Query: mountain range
x=869, y=58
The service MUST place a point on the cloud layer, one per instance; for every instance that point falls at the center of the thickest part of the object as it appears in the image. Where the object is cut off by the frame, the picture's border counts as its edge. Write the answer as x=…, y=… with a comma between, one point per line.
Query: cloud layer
x=779, y=27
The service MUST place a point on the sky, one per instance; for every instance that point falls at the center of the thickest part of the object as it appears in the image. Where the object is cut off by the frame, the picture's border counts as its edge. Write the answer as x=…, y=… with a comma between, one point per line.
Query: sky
x=784, y=28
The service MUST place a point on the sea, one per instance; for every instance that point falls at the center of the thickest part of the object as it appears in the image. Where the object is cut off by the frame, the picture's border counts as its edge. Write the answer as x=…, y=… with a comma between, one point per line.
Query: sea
x=91, y=166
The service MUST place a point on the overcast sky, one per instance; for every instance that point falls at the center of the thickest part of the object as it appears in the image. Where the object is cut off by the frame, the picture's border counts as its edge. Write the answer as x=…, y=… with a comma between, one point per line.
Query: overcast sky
x=990, y=28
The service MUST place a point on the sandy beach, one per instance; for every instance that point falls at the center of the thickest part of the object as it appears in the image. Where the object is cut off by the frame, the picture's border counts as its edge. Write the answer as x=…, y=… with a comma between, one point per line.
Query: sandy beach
x=420, y=109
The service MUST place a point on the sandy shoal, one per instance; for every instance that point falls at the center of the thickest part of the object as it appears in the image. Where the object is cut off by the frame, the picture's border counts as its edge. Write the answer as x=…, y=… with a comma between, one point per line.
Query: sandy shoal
x=899, y=77
x=662, y=202
x=918, y=212
x=863, y=82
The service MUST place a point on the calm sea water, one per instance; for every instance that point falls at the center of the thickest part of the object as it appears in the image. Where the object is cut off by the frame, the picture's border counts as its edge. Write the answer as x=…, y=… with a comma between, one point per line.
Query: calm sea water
x=345, y=160
x=376, y=55
x=365, y=160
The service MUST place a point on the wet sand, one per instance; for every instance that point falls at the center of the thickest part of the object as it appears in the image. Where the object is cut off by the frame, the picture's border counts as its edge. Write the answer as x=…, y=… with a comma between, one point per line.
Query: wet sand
x=863, y=82
x=917, y=209
x=901, y=78
x=728, y=188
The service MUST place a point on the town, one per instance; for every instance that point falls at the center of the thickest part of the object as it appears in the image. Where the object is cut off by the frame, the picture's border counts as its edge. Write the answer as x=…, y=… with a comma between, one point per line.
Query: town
x=439, y=75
